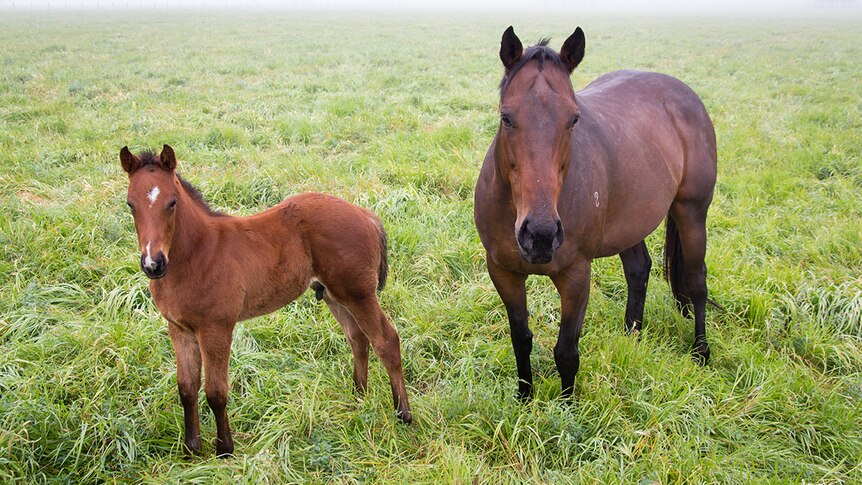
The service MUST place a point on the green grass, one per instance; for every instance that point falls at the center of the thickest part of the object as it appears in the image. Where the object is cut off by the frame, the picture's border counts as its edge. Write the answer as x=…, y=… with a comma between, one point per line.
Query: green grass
x=395, y=114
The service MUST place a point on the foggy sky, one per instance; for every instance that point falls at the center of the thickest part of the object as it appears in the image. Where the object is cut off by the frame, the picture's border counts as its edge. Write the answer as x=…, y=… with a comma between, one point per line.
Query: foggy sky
x=776, y=7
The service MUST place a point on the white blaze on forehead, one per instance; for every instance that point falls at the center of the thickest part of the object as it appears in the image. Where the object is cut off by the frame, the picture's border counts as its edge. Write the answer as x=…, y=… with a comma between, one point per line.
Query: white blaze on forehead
x=153, y=195
x=148, y=260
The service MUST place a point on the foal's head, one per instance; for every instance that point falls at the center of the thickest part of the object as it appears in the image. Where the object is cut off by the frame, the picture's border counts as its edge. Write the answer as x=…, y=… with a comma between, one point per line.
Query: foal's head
x=153, y=191
x=538, y=113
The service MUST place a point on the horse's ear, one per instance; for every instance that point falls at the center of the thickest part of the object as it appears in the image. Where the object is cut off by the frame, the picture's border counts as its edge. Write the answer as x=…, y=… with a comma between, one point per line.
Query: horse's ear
x=167, y=158
x=128, y=160
x=573, y=49
x=510, y=48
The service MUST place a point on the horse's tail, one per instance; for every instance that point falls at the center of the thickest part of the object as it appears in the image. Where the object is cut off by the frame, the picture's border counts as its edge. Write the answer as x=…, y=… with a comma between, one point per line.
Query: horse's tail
x=674, y=264
x=383, y=270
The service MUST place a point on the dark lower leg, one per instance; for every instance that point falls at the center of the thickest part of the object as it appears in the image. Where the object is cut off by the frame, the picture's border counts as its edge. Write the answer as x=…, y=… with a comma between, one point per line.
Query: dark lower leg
x=636, y=266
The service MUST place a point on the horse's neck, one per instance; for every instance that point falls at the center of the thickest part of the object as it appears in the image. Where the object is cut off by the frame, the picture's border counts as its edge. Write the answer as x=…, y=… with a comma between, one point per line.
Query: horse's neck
x=194, y=226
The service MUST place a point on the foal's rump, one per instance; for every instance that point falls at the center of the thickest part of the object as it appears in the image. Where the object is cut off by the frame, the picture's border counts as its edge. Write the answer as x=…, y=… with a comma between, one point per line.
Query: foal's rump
x=660, y=146
x=347, y=245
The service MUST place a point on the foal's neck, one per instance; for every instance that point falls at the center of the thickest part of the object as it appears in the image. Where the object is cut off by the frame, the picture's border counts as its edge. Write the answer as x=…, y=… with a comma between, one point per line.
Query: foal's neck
x=193, y=228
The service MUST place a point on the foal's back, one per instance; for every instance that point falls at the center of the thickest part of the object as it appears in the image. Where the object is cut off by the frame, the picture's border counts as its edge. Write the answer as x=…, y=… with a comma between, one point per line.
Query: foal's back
x=278, y=253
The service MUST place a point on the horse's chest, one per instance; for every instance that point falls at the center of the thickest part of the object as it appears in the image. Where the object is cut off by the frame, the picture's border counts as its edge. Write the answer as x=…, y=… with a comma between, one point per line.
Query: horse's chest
x=191, y=306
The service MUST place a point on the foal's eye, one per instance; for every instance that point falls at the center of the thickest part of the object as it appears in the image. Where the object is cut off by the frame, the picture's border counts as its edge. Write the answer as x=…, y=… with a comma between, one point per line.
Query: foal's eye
x=507, y=122
x=172, y=204
x=574, y=121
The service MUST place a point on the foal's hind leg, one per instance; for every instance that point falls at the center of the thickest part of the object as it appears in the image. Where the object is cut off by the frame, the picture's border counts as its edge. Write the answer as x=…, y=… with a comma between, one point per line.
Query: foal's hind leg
x=386, y=344
x=188, y=357
x=691, y=223
x=357, y=340
x=636, y=266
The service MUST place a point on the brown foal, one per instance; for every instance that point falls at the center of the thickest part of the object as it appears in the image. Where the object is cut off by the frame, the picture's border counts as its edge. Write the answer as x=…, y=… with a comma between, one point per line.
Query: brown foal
x=208, y=271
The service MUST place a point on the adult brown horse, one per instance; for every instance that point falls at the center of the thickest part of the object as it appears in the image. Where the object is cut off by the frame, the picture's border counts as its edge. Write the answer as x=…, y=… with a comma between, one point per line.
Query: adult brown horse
x=208, y=270
x=572, y=176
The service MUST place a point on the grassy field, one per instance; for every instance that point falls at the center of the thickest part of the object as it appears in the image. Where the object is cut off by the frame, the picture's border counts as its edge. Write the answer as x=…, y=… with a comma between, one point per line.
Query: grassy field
x=395, y=114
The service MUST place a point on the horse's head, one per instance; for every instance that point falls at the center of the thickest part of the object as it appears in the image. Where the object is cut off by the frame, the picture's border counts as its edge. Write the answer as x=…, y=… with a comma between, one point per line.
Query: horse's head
x=152, y=197
x=538, y=114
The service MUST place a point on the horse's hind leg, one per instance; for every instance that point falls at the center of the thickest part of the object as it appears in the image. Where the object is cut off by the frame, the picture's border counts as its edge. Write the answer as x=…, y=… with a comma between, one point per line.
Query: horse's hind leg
x=386, y=344
x=357, y=340
x=636, y=266
x=188, y=356
x=690, y=219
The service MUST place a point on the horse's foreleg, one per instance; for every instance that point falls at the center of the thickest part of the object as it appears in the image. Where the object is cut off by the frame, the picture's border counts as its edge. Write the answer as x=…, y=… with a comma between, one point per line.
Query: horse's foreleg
x=357, y=340
x=215, y=349
x=636, y=266
x=574, y=287
x=387, y=345
x=188, y=382
x=511, y=288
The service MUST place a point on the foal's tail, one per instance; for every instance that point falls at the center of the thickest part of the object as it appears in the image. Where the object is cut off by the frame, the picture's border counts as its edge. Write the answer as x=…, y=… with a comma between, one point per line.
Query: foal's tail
x=383, y=270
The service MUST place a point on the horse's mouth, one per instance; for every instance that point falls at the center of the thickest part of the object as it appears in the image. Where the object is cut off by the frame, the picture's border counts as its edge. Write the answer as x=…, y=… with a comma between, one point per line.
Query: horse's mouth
x=155, y=274
x=541, y=257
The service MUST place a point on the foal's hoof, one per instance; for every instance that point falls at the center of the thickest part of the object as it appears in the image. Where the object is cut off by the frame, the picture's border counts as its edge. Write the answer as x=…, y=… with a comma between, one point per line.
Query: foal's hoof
x=405, y=417
x=700, y=353
x=224, y=450
x=193, y=447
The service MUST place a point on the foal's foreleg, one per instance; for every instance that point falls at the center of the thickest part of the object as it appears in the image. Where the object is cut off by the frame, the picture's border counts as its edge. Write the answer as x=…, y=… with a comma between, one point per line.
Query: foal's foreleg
x=387, y=345
x=574, y=287
x=636, y=266
x=215, y=342
x=188, y=357
x=512, y=290
x=357, y=340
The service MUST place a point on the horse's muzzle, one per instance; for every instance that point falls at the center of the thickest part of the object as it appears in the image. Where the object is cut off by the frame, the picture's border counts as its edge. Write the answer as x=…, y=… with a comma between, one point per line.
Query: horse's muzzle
x=154, y=268
x=539, y=240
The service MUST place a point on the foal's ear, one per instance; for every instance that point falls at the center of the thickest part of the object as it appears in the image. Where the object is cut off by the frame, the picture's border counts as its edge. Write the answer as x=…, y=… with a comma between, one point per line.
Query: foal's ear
x=128, y=160
x=167, y=158
x=510, y=48
x=573, y=49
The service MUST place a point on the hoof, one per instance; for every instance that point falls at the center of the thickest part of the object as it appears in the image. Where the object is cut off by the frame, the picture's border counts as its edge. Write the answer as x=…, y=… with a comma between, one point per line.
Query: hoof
x=193, y=446
x=525, y=392
x=224, y=450
x=700, y=353
x=405, y=417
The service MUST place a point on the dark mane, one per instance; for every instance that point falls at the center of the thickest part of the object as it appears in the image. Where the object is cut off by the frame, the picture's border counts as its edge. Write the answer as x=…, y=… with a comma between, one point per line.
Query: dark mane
x=198, y=197
x=539, y=52
x=147, y=158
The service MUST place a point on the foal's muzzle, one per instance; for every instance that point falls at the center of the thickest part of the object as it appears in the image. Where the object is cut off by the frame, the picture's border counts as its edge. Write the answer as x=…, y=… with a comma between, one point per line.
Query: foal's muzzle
x=539, y=240
x=156, y=267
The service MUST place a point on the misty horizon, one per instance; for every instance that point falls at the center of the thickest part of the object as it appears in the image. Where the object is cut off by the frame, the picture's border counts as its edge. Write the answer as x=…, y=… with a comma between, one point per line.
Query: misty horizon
x=775, y=7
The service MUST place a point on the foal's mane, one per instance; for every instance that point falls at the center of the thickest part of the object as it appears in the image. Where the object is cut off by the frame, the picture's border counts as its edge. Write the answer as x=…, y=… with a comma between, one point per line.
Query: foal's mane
x=149, y=158
x=539, y=52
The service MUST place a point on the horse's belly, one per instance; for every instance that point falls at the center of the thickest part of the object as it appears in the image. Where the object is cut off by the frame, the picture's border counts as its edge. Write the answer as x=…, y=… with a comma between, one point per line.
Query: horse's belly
x=628, y=224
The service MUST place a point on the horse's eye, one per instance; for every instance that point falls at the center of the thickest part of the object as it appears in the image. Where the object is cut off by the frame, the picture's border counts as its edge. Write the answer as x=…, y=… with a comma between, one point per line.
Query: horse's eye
x=172, y=204
x=507, y=122
x=574, y=120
